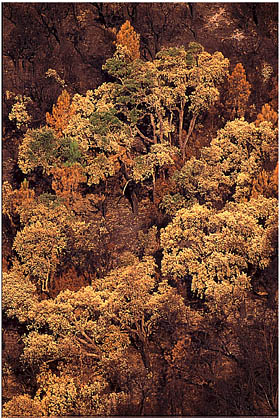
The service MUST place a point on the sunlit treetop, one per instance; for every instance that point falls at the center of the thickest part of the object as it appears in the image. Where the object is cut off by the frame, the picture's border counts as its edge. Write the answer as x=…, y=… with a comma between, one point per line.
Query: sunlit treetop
x=128, y=38
x=239, y=90
x=148, y=100
x=218, y=252
x=228, y=168
x=61, y=113
x=267, y=114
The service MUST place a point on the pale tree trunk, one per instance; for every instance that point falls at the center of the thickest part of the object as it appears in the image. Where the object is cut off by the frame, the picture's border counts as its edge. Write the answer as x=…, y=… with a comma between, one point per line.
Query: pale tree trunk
x=181, y=120
x=170, y=128
x=154, y=186
x=160, y=127
x=185, y=142
x=133, y=196
x=181, y=112
x=45, y=282
x=145, y=351
x=154, y=128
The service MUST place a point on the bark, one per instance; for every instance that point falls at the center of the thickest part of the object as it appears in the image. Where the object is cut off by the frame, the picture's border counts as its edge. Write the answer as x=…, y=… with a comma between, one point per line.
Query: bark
x=144, y=137
x=154, y=127
x=185, y=142
x=89, y=344
x=181, y=111
x=131, y=195
x=160, y=127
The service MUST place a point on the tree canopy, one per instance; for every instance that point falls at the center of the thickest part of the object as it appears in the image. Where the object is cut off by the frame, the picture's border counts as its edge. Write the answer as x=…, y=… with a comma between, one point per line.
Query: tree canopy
x=140, y=224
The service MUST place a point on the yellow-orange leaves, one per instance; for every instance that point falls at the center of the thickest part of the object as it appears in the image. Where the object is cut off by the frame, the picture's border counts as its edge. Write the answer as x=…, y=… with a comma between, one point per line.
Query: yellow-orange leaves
x=128, y=38
x=274, y=180
x=239, y=90
x=66, y=180
x=260, y=185
x=267, y=114
x=17, y=201
x=265, y=184
x=61, y=113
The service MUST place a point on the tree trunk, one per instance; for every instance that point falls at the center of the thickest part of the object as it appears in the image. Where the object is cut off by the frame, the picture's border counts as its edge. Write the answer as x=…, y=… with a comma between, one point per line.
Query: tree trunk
x=154, y=187
x=154, y=128
x=181, y=112
x=191, y=127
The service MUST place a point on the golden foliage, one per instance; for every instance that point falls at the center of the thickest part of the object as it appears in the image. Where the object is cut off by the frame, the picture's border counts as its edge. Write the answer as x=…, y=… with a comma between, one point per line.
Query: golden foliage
x=17, y=201
x=228, y=167
x=140, y=321
x=61, y=113
x=239, y=90
x=24, y=196
x=66, y=180
x=121, y=156
x=216, y=248
x=39, y=246
x=260, y=185
x=265, y=184
x=22, y=406
x=19, y=111
x=19, y=294
x=128, y=38
x=274, y=180
x=267, y=114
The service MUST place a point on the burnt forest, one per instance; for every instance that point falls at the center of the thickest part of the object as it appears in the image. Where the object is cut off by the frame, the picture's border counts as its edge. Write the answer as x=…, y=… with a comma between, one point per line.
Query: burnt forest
x=139, y=209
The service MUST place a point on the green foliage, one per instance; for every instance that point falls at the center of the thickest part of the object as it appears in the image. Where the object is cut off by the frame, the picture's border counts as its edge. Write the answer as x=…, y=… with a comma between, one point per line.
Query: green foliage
x=187, y=189
x=103, y=122
x=171, y=203
x=158, y=89
x=50, y=200
x=99, y=133
x=42, y=148
x=145, y=100
x=117, y=66
x=37, y=149
x=194, y=49
x=69, y=152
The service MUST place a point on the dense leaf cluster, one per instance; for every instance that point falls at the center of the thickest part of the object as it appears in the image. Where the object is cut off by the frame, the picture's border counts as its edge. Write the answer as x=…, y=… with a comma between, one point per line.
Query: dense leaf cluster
x=167, y=326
